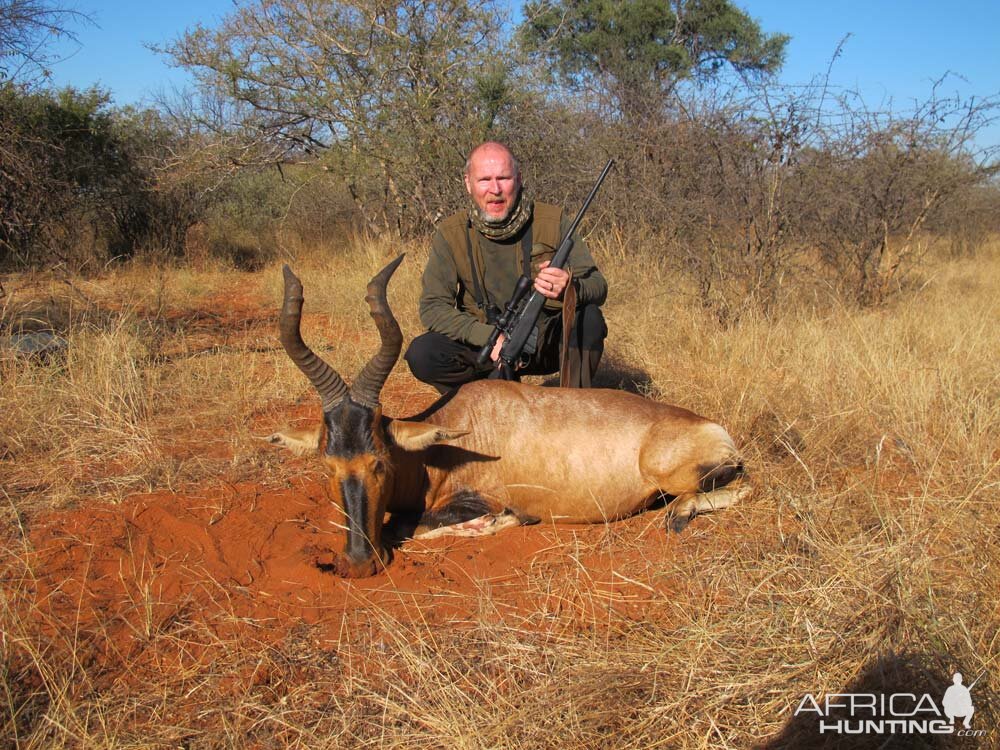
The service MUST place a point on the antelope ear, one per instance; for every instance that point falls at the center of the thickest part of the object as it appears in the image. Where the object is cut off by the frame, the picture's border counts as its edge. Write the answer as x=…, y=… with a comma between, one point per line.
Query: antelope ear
x=299, y=440
x=415, y=436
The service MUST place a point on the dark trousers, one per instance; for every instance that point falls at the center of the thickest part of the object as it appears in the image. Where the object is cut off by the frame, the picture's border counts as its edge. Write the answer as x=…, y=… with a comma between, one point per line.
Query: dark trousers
x=446, y=364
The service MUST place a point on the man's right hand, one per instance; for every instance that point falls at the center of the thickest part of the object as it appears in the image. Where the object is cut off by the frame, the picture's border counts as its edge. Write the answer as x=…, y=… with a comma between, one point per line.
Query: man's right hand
x=495, y=354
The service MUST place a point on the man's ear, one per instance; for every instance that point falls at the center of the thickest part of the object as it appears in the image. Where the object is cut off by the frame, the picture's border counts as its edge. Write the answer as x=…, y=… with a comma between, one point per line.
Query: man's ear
x=299, y=440
x=415, y=436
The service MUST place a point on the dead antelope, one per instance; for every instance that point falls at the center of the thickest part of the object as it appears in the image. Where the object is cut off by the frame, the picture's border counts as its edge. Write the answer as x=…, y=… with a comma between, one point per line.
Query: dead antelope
x=495, y=454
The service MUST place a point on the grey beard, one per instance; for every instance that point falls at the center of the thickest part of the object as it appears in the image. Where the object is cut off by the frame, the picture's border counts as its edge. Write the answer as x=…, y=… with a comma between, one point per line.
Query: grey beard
x=489, y=221
x=509, y=225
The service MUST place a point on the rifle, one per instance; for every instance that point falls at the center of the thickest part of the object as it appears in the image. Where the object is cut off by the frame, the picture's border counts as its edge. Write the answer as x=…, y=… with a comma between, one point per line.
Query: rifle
x=517, y=321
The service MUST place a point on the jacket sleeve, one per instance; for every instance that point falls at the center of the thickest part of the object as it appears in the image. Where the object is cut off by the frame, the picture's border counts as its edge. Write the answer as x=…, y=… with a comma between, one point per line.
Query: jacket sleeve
x=591, y=286
x=439, y=292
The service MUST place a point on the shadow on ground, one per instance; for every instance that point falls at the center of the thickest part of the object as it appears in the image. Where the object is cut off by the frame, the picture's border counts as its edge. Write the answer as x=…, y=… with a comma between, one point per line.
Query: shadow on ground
x=915, y=674
x=615, y=373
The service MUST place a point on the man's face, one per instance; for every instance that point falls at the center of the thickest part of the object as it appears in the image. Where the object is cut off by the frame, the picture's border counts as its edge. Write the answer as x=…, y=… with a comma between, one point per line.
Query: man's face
x=493, y=182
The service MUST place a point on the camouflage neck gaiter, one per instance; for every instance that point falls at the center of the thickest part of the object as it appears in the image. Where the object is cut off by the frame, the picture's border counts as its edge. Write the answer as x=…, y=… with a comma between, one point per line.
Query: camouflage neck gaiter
x=509, y=226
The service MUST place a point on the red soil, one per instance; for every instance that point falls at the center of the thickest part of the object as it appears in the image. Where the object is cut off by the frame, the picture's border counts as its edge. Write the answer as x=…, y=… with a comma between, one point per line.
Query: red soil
x=248, y=566
x=244, y=552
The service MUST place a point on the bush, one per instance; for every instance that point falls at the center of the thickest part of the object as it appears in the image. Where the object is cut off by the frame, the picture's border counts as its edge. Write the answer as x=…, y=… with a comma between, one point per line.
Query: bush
x=78, y=188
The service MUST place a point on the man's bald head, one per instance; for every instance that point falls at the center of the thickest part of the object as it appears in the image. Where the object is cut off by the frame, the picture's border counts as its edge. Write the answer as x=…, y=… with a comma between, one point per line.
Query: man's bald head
x=496, y=148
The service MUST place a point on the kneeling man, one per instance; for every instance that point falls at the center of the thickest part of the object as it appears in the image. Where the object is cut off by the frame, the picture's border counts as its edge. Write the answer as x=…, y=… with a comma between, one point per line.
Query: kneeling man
x=476, y=258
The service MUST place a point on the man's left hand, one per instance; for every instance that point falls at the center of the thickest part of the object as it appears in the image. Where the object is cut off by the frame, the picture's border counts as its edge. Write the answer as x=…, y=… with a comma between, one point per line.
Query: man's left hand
x=551, y=282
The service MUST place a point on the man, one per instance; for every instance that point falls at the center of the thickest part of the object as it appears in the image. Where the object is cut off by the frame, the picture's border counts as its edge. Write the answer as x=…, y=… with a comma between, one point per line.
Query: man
x=476, y=258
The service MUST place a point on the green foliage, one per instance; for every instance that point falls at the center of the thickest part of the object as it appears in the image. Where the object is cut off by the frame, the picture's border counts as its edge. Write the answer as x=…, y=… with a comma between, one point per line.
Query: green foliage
x=639, y=49
x=77, y=185
x=244, y=218
x=493, y=91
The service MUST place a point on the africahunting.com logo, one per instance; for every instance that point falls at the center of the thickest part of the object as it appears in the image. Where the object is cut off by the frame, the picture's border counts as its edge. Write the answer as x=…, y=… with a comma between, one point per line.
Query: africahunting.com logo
x=895, y=713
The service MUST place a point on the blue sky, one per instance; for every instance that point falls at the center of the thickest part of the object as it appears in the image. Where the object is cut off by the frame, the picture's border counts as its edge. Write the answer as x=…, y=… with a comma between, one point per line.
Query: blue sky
x=896, y=50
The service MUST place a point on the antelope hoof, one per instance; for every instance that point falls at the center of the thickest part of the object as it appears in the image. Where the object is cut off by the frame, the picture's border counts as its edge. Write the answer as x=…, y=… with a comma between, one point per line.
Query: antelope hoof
x=677, y=523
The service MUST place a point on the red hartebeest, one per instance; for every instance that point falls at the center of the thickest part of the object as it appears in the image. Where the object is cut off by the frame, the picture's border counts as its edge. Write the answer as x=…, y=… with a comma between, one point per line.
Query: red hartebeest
x=495, y=454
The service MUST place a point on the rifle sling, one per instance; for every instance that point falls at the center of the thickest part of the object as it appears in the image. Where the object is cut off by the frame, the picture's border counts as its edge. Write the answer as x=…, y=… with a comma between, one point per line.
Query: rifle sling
x=568, y=319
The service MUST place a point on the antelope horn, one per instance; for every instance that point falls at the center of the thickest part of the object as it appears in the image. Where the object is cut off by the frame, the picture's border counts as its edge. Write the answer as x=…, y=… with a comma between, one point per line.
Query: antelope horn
x=324, y=378
x=368, y=385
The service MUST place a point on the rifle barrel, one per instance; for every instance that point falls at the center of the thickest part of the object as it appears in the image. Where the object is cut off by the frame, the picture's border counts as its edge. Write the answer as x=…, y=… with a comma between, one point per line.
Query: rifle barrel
x=590, y=198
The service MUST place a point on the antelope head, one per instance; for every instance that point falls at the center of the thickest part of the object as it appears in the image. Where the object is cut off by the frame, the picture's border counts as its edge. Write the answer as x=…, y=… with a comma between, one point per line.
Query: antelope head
x=354, y=440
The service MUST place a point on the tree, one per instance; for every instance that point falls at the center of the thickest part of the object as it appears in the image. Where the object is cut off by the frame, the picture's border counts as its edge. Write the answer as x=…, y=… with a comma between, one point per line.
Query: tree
x=636, y=51
x=27, y=28
x=874, y=179
x=75, y=182
x=390, y=95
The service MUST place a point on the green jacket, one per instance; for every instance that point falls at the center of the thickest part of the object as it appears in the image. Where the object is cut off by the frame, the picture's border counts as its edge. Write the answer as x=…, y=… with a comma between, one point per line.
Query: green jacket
x=447, y=302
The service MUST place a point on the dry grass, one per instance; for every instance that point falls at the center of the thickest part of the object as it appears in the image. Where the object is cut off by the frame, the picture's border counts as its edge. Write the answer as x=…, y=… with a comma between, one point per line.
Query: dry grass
x=869, y=559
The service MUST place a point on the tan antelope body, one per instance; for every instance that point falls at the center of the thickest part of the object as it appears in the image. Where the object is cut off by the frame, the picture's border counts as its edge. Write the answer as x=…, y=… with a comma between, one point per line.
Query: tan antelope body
x=579, y=456
x=495, y=454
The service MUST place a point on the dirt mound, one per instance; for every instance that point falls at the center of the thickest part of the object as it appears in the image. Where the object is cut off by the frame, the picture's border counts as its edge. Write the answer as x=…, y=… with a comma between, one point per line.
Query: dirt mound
x=118, y=576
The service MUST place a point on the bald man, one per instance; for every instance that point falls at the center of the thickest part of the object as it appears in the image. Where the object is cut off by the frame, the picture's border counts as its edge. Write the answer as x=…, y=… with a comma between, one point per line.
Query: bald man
x=477, y=256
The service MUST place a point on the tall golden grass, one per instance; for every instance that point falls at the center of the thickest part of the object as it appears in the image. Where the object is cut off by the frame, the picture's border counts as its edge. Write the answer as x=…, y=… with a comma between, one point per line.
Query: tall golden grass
x=867, y=561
